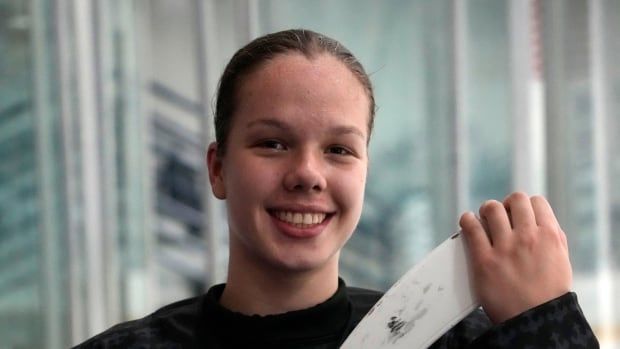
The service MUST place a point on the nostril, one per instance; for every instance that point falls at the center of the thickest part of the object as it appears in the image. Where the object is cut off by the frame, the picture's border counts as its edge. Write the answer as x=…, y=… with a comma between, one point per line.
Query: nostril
x=304, y=177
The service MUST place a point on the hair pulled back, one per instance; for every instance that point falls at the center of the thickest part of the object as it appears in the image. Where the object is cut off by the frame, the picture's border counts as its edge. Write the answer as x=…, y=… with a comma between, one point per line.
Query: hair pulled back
x=262, y=49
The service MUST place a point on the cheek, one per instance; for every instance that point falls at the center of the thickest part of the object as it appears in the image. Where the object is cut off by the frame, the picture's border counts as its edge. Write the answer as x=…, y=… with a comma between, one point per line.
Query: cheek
x=350, y=188
x=248, y=180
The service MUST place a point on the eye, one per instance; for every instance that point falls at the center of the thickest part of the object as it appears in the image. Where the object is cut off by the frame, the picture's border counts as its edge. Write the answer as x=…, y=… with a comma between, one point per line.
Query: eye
x=338, y=150
x=272, y=144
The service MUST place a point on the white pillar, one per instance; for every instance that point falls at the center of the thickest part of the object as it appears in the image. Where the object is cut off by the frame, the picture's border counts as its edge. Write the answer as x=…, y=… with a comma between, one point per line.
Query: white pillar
x=89, y=161
x=77, y=306
x=106, y=96
x=596, y=22
x=461, y=129
x=141, y=292
x=207, y=58
x=527, y=98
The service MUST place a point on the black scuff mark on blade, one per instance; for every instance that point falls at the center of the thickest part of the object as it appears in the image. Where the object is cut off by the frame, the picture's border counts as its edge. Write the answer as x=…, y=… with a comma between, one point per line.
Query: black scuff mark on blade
x=427, y=287
x=399, y=327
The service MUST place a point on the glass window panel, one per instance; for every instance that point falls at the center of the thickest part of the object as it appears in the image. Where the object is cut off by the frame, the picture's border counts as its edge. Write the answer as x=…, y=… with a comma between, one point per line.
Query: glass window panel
x=574, y=180
x=488, y=116
x=20, y=303
x=570, y=140
x=27, y=304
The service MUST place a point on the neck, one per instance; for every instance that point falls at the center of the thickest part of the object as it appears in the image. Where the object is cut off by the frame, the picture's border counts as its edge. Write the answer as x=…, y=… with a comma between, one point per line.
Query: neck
x=255, y=289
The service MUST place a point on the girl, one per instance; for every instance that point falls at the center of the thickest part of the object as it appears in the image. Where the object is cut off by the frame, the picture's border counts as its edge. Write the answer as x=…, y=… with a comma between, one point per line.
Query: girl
x=293, y=120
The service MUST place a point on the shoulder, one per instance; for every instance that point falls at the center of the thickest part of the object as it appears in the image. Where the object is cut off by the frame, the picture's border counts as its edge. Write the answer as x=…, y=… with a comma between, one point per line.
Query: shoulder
x=171, y=326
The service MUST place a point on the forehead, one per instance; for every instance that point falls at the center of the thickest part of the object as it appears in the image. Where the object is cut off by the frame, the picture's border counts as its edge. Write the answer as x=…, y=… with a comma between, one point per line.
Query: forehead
x=293, y=80
x=296, y=62
x=320, y=67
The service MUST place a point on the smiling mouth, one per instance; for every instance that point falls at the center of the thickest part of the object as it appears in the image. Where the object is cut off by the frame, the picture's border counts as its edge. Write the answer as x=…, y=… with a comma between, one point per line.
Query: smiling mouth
x=300, y=219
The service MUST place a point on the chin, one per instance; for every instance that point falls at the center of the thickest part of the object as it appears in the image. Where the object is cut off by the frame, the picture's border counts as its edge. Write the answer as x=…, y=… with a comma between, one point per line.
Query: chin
x=309, y=263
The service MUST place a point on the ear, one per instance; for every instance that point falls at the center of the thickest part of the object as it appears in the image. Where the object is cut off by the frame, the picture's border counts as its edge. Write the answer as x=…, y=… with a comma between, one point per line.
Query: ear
x=216, y=178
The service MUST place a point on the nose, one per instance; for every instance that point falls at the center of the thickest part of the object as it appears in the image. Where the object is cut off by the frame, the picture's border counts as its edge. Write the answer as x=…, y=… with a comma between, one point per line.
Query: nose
x=305, y=174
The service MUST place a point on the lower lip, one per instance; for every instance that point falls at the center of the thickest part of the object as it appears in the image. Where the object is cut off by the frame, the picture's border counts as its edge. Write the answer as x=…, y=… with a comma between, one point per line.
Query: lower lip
x=292, y=231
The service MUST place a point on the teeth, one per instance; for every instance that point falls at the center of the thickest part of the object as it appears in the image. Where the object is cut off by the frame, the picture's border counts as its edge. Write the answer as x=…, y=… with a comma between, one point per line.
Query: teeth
x=308, y=218
x=301, y=220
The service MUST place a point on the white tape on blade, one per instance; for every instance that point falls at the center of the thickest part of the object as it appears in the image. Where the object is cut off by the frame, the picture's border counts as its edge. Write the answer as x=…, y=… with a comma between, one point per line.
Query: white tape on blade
x=427, y=301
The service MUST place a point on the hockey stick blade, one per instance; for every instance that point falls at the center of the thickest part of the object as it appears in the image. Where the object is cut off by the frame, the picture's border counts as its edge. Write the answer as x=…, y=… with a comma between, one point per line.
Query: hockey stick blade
x=428, y=300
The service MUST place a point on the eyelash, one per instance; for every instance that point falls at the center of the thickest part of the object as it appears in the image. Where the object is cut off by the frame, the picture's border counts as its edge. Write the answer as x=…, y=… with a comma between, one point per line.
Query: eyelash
x=342, y=151
x=272, y=144
x=277, y=145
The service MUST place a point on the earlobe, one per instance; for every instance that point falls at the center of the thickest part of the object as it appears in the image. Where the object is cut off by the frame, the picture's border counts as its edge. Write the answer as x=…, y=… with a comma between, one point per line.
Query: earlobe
x=214, y=165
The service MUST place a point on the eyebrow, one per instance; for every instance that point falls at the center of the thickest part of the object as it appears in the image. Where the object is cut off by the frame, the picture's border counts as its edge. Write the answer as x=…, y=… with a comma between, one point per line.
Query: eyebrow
x=337, y=130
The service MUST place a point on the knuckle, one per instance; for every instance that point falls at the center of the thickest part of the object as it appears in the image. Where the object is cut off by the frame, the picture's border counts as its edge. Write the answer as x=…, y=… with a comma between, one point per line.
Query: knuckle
x=505, y=249
x=488, y=264
x=548, y=228
x=554, y=235
x=564, y=239
x=562, y=234
x=557, y=235
x=488, y=258
x=527, y=239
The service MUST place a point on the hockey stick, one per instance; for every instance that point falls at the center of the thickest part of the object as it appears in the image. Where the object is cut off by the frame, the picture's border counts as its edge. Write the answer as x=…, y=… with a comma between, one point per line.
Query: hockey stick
x=427, y=301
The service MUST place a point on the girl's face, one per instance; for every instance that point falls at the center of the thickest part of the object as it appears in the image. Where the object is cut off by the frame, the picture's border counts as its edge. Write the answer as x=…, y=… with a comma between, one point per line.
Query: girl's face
x=294, y=169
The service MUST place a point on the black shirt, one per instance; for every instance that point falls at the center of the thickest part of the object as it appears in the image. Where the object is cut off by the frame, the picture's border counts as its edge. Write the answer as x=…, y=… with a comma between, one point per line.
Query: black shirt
x=201, y=322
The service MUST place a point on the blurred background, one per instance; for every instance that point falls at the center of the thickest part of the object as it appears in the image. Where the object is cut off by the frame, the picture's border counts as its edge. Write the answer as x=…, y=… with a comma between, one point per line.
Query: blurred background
x=105, y=113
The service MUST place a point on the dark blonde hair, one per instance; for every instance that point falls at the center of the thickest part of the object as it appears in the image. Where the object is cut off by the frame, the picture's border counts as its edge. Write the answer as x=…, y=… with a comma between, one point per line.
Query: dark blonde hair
x=252, y=55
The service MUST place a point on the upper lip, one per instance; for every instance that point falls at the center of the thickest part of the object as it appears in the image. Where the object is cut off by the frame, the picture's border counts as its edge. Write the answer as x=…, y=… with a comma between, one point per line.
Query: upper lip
x=303, y=208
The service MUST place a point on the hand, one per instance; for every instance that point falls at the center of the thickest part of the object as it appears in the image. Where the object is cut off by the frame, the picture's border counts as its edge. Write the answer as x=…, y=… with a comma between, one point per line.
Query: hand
x=518, y=253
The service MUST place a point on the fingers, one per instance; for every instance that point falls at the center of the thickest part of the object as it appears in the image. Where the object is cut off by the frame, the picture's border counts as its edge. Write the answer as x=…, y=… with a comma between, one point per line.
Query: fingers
x=494, y=214
x=545, y=218
x=520, y=209
x=543, y=212
x=519, y=255
x=475, y=234
x=517, y=217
